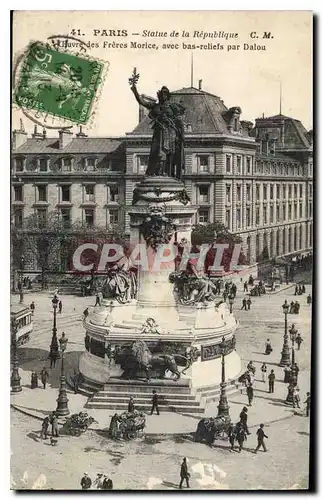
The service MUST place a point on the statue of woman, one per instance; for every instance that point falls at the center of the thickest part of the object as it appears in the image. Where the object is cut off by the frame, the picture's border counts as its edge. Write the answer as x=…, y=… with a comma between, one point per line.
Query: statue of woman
x=167, y=147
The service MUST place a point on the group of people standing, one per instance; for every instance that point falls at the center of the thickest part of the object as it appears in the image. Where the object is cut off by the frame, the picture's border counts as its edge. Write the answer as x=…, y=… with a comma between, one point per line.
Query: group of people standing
x=101, y=482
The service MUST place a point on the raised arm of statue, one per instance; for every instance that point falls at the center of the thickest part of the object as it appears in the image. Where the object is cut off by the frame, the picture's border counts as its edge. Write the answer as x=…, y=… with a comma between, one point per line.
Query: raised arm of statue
x=140, y=99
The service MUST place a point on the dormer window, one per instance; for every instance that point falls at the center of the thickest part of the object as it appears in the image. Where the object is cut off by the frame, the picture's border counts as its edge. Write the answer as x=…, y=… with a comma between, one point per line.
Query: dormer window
x=90, y=164
x=66, y=164
x=19, y=164
x=203, y=163
x=142, y=163
x=42, y=164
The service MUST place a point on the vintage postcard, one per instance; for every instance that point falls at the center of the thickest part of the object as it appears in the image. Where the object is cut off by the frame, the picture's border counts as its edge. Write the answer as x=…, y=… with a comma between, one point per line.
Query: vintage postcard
x=161, y=250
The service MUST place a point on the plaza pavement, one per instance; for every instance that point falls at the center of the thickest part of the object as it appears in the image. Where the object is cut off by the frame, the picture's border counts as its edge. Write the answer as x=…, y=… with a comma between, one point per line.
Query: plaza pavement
x=154, y=463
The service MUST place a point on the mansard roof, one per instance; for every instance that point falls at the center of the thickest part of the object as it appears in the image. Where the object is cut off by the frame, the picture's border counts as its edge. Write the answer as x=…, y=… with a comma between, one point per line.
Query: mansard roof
x=204, y=112
x=295, y=134
x=78, y=145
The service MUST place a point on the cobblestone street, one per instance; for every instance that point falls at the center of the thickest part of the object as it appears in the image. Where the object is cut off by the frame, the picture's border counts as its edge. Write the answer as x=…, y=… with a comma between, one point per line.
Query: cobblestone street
x=153, y=462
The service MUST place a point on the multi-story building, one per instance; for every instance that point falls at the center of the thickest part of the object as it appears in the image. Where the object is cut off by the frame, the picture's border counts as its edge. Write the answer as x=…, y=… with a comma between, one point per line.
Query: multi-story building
x=257, y=181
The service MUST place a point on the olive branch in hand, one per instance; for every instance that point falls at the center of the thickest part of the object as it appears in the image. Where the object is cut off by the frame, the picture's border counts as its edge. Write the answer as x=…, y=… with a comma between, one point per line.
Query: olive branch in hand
x=134, y=77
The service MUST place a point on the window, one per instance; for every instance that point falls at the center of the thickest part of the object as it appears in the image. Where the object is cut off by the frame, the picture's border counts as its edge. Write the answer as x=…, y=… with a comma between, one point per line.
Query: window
x=248, y=191
x=239, y=164
x=277, y=213
x=90, y=164
x=18, y=193
x=42, y=193
x=248, y=161
x=285, y=191
x=238, y=218
x=295, y=210
x=301, y=210
x=42, y=164
x=203, y=194
x=41, y=216
x=265, y=191
x=295, y=190
x=114, y=216
x=257, y=193
x=271, y=192
x=310, y=190
x=18, y=217
x=257, y=216
x=228, y=218
x=66, y=164
x=89, y=216
x=228, y=194
x=271, y=214
x=203, y=216
x=284, y=212
x=248, y=217
x=89, y=193
x=19, y=164
x=310, y=209
x=289, y=191
x=289, y=211
x=113, y=193
x=286, y=169
x=203, y=163
x=239, y=193
x=228, y=164
x=277, y=191
x=301, y=191
x=65, y=193
x=265, y=215
x=142, y=163
x=66, y=217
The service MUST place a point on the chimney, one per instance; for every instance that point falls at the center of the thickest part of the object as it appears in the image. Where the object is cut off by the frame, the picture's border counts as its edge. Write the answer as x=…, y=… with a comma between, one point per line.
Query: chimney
x=36, y=134
x=81, y=133
x=19, y=137
x=200, y=84
x=65, y=137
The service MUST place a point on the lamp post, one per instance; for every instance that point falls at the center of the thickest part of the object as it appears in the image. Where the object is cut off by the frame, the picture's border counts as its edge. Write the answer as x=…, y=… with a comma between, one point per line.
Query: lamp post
x=285, y=356
x=15, y=378
x=62, y=400
x=21, y=292
x=231, y=302
x=223, y=407
x=293, y=374
x=54, y=354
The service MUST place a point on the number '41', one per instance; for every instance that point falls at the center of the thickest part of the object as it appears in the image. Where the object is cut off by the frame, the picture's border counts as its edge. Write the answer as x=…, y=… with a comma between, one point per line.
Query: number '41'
x=76, y=32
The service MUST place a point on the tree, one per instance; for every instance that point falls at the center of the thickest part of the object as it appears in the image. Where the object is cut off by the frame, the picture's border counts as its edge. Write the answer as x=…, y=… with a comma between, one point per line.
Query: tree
x=216, y=232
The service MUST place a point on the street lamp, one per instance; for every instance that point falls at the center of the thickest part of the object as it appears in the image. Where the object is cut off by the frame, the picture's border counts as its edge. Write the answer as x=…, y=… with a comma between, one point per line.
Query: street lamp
x=231, y=302
x=21, y=292
x=54, y=351
x=285, y=356
x=223, y=407
x=15, y=378
x=293, y=375
x=62, y=400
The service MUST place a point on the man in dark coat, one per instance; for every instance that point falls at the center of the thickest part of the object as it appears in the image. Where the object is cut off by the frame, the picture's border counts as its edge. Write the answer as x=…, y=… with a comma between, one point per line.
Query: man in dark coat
x=54, y=422
x=249, y=303
x=271, y=380
x=184, y=474
x=245, y=286
x=154, y=403
x=131, y=405
x=298, y=341
x=44, y=428
x=86, y=482
x=44, y=377
x=250, y=394
x=260, y=436
x=244, y=419
x=60, y=307
x=244, y=304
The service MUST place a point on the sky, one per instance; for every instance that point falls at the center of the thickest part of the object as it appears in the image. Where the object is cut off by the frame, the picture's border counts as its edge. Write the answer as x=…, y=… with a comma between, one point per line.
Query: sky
x=246, y=78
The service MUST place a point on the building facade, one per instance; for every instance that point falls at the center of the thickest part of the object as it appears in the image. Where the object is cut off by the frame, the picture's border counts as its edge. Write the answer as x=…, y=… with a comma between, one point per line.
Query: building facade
x=256, y=180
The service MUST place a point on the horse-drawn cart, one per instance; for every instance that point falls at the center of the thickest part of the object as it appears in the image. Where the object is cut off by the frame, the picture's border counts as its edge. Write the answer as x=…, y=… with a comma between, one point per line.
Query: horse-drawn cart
x=128, y=425
x=78, y=423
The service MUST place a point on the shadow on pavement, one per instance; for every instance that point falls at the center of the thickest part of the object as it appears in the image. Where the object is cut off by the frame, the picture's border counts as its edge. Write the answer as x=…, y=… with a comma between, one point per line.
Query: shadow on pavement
x=170, y=485
x=35, y=436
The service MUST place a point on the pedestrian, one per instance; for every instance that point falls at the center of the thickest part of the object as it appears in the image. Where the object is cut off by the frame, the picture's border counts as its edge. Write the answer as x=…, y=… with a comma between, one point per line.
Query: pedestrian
x=296, y=290
x=232, y=435
x=86, y=482
x=184, y=474
x=303, y=289
x=251, y=280
x=154, y=403
x=308, y=403
x=244, y=304
x=114, y=426
x=44, y=428
x=245, y=286
x=34, y=380
x=309, y=300
x=97, y=300
x=131, y=405
x=44, y=377
x=244, y=419
x=98, y=481
x=250, y=393
x=292, y=307
x=298, y=341
x=251, y=368
x=296, y=397
x=107, y=483
x=54, y=422
x=60, y=307
x=263, y=372
x=260, y=436
x=249, y=303
x=85, y=313
x=32, y=307
x=224, y=295
x=271, y=380
x=268, y=348
x=241, y=436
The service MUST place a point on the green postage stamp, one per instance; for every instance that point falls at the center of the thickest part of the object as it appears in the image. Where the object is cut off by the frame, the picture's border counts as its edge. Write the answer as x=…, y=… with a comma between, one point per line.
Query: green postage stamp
x=57, y=83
